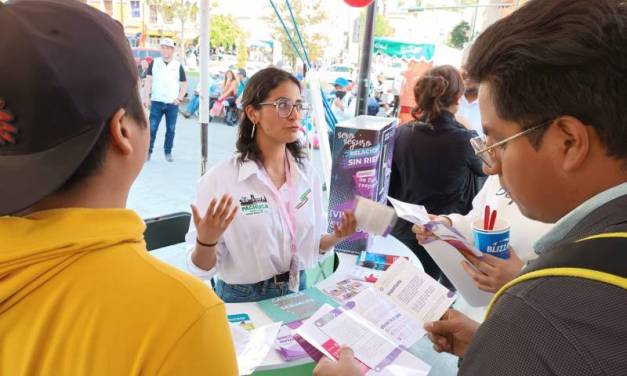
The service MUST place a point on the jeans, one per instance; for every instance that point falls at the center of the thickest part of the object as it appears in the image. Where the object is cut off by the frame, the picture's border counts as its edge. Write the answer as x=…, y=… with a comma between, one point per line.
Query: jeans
x=157, y=110
x=253, y=292
x=230, y=111
x=193, y=105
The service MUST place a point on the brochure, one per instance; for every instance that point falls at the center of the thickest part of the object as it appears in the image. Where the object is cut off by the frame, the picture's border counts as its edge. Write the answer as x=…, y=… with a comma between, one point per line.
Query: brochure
x=286, y=345
x=345, y=289
x=252, y=347
x=382, y=322
x=376, y=261
x=448, y=248
x=329, y=328
x=296, y=306
x=364, y=274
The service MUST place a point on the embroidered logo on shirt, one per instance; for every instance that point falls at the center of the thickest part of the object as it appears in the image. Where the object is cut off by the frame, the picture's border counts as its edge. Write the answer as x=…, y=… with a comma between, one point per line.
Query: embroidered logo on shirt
x=302, y=200
x=252, y=204
x=8, y=132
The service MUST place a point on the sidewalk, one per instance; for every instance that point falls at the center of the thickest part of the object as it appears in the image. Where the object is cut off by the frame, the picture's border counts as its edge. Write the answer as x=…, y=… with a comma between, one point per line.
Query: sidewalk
x=164, y=187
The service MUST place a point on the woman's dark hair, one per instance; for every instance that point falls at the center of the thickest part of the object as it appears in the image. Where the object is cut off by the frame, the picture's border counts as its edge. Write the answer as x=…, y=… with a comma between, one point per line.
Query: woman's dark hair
x=94, y=160
x=438, y=89
x=226, y=76
x=556, y=58
x=257, y=90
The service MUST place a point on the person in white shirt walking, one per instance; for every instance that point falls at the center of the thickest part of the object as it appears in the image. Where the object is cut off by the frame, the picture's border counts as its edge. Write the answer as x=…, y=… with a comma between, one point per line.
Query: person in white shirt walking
x=260, y=245
x=165, y=89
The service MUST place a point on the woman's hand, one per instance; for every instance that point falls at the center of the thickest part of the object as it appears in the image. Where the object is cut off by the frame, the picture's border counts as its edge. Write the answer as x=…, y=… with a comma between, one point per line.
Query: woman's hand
x=219, y=215
x=346, y=227
x=494, y=272
x=422, y=234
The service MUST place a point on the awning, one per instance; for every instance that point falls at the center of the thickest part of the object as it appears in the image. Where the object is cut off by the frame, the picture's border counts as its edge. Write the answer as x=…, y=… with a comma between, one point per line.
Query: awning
x=395, y=48
x=260, y=44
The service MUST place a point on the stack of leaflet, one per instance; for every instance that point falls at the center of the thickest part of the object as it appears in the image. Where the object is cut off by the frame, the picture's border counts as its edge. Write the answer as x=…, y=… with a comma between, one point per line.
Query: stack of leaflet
x=292, y=309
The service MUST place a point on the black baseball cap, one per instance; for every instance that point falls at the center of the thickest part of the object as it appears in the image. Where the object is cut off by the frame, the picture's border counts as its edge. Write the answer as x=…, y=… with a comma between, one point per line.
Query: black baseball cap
x=65, y=69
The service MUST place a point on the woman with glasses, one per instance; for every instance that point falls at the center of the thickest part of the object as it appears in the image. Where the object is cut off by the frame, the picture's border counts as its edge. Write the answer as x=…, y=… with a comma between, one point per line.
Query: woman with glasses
x=434, y=164
x=258, y=218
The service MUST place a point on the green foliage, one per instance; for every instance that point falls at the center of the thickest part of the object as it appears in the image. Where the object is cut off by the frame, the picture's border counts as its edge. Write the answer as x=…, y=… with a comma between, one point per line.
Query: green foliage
x=382, y=26
x=225, y=32
x=308, y=13
x=459, y=35
x=242, y=51
x=179, y=10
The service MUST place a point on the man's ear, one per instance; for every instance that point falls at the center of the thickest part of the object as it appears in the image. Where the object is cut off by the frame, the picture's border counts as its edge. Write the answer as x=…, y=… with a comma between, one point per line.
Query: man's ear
x=572, y=140
x=119, y=133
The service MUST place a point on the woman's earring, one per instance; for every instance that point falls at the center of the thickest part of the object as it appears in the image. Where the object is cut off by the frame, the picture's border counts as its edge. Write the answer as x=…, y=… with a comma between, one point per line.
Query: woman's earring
x=252, y=134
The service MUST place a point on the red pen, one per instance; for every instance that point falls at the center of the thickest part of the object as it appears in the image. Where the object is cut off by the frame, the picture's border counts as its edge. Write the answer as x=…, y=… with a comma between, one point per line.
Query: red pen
x=492, y=219
x=486, y=218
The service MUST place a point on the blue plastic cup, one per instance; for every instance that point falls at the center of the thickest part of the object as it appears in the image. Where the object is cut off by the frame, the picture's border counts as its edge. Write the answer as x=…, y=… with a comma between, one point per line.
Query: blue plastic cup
x=493, y=242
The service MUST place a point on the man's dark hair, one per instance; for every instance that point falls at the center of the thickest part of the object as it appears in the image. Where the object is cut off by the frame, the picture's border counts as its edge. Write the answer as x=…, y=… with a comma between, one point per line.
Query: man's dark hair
x=94, y=160
x=556, y=58
x=257, y=90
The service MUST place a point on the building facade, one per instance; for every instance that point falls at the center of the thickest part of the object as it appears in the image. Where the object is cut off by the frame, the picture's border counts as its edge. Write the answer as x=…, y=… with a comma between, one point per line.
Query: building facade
x=146, y=23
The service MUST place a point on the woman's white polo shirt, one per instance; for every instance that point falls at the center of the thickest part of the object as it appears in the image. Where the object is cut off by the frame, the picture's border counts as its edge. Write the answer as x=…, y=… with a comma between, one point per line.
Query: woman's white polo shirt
x=256, y=245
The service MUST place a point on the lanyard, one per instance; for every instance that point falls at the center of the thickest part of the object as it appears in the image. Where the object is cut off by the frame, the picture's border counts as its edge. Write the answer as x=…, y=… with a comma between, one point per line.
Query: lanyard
x=286, y=209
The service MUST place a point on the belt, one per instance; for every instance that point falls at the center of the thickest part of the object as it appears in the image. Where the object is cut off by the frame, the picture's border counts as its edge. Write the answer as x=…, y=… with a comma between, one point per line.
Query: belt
x=281, y=278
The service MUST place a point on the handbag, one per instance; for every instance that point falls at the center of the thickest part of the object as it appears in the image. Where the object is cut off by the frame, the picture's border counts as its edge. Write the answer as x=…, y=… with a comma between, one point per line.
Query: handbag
x=218, y=107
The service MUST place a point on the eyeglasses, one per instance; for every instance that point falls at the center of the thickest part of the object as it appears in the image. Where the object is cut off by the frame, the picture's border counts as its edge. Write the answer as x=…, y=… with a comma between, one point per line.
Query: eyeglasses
x=285, y=107
x=486, y=153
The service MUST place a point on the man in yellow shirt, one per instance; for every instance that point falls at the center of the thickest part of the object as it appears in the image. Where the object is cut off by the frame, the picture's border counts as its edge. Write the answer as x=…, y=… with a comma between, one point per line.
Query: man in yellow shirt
x=79, y=294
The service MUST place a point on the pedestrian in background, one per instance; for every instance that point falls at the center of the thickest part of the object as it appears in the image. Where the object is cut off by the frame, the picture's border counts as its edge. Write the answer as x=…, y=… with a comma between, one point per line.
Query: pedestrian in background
x=165, y=89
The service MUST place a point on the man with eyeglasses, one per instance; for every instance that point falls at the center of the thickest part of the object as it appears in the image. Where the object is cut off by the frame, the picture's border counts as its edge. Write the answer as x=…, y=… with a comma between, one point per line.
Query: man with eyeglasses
x=552, y=100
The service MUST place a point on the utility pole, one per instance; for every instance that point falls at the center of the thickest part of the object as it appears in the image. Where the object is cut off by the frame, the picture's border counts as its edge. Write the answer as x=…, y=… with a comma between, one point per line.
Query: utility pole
x=474, y=22
x=364, y=61
x=204, y=83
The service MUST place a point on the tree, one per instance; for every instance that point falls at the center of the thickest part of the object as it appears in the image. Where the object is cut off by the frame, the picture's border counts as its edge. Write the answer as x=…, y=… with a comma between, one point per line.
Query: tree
x=382, y=26
x=225, y=32
x=242, y=51
x=459, y=35
x=181, y=10
x=308, y=14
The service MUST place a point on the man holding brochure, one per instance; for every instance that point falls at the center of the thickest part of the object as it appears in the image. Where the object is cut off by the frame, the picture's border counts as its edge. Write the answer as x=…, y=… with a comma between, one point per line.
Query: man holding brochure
x=552, y=104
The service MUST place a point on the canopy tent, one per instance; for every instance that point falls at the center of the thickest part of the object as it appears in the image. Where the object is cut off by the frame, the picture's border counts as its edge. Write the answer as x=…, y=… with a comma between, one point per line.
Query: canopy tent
x=400, y=49
x=259, y=43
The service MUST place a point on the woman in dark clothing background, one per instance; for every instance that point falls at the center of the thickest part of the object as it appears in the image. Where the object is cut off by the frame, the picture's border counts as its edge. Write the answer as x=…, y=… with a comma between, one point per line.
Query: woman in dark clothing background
x=434, y=164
